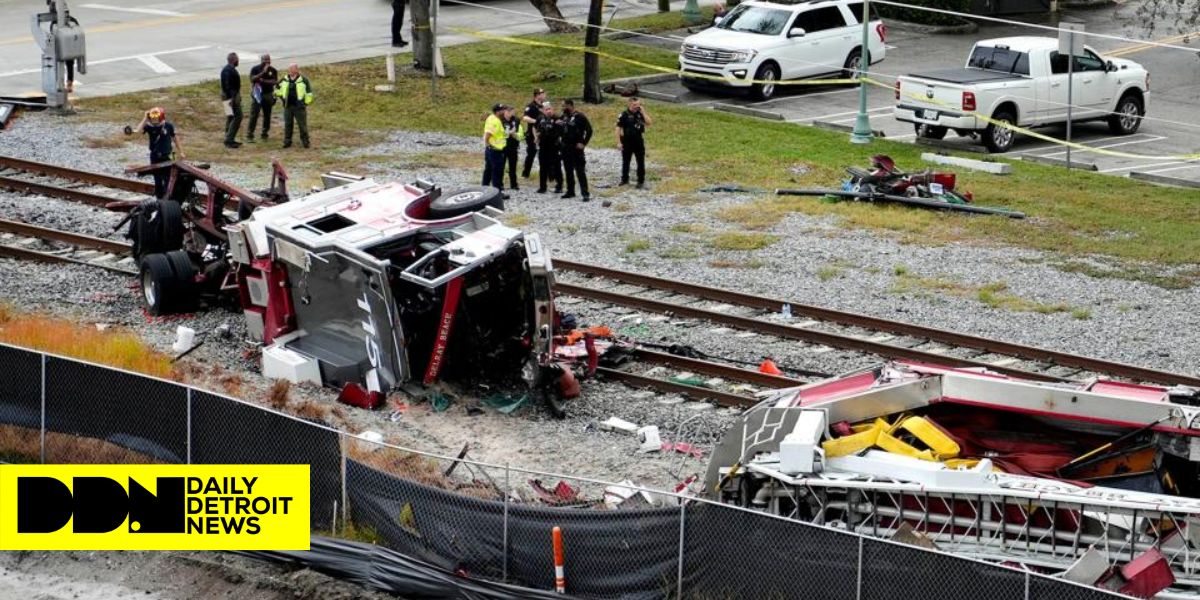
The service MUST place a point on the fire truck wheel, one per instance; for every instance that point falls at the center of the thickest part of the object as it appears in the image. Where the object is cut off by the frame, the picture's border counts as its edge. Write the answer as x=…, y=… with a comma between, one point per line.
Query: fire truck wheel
x=463, y=201
x=147, y=234
x=184, y=296
x=170, y=217
x=158, y=284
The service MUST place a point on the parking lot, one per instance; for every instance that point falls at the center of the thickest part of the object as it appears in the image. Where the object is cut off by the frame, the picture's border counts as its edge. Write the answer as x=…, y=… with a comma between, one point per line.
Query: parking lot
x=1170, y=127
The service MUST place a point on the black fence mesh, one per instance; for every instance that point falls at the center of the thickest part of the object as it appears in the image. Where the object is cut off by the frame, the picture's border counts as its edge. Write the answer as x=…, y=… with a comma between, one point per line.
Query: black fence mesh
x=225, y=431
x=20, y=405
x=135, y=418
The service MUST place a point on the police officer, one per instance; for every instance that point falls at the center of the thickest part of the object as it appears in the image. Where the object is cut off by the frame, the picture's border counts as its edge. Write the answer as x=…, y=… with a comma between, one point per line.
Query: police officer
x=231, y=97
x=263, y=79
x=533, y=111
x=164, y=145
x=495, y=140
x=296, y=92
x=398, y=23
x=630, y=126
x=514, y=128
x=577, y=132
x=548, y=132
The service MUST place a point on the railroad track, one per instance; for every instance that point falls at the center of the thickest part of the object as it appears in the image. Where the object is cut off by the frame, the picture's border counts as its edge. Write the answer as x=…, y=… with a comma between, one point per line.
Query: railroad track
x=28, y=242
x=721, y=383
x=845, y=330
x=96, y=189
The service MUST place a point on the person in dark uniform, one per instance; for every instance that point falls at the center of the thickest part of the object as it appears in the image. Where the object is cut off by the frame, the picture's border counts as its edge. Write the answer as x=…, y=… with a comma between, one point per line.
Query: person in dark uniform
x=163, y=143
x=577, y=132
x=548, y=132
x=263, y=78
x=631, y=126
x=398, y=23
x=533, y=111
x=514, y=128
x=231, y=96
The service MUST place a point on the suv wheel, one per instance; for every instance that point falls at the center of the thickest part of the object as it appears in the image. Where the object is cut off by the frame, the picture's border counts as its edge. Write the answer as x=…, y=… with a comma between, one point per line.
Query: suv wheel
x=853, y=63
x=768, y=74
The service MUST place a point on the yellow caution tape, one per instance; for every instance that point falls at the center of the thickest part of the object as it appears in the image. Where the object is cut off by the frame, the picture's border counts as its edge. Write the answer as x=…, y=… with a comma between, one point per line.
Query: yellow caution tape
x=690, y=74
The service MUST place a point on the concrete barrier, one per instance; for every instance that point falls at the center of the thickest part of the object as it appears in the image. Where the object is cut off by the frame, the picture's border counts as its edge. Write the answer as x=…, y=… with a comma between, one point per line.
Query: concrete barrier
x=1164, y=179
x=746, y=110
x=995, y=168
x=1062, y=162
x=842, y=127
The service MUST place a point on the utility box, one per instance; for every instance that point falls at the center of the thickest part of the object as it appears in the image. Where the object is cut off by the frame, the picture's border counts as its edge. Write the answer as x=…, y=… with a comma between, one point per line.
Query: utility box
x=69, y=43
x=799, y=451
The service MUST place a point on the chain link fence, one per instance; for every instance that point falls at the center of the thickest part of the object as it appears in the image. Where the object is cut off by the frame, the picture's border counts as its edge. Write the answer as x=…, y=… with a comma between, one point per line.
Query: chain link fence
x=481, y=523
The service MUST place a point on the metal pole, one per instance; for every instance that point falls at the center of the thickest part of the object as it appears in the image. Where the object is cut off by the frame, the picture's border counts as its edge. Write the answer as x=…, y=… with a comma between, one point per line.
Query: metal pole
x=1070, y=91
x=664, y=5
x=189, y=426
x=345, y=500
x=42, y=443
x=507, y=489
x=682, y=529
x=862, y=123
x=858, y=572
x=1026, y=585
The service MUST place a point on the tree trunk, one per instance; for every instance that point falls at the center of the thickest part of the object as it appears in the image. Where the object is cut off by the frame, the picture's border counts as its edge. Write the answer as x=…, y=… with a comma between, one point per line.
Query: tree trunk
x=553, y=17
x=591, y=62
x=422, y=37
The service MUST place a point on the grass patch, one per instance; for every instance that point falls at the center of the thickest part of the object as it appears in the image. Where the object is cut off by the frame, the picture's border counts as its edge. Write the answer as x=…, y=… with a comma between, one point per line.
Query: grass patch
x=115, y=348
x=742, y=240
x=993, y=295
x=637, y=245
x=750, y=263
x=1178, y=280
x=518, y=219
x=996, y=295
x=693, y=228
x=1073, y=212
x=828, y=272
x=680, y=252
x=1081, y=313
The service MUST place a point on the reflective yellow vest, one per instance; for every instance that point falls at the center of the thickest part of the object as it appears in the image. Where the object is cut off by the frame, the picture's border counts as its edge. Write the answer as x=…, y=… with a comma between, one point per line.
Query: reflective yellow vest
x=495, y=126
x=302, y=91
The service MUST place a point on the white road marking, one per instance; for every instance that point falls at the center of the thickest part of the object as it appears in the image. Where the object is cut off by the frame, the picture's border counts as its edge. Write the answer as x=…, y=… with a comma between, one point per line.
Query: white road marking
x=849, y=112
x=901, y=137
x=1137, y=167
x=1190, y=166
x=156, y=65
x=1103, y=139
x=145, y=11
x=113, y=60
x=803, y=96
x=1152, y=139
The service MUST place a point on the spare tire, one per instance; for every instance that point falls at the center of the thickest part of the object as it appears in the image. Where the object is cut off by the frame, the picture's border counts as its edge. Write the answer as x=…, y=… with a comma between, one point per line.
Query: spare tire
x=465, y=200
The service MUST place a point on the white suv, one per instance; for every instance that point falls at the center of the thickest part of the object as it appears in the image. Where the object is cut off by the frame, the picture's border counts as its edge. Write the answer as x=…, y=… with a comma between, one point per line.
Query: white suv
x=770, y=41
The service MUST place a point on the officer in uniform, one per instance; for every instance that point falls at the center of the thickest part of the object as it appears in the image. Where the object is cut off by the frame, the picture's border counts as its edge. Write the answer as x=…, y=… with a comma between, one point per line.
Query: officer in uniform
x=231, y=97
x=533, y=111
x=548, y=140
x=494, y=142
x=577, y=132
x=164, y=145
x=514, y=128
x=631, y=126
x=296, y=93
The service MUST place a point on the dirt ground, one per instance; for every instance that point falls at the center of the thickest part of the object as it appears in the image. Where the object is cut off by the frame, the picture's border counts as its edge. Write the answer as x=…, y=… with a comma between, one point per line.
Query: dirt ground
x=163, y=576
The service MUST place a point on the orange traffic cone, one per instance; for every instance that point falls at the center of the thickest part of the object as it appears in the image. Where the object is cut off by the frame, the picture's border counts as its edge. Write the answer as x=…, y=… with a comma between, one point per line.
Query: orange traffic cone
x=768, y=367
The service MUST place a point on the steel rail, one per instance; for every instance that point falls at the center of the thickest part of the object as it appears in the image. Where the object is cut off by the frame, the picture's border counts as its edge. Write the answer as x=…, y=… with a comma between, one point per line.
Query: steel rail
x=45, y=189
x=663, y=385
x=120, y=183
x=27, y=254
x=1032, y=353
x=792, y=332
x=74, y=239
x=715, y=369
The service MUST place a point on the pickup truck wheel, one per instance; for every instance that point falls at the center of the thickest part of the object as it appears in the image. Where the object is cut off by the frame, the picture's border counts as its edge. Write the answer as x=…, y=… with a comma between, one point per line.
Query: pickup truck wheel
x=1128, y=116
x=933, y=132
x=466, y=200
x=158, y=284
x=997, y=138
x=768, y=74
x=853, y=62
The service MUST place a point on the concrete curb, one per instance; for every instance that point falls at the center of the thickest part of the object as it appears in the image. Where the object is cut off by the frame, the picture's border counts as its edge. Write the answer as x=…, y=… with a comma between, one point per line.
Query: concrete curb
x=1062, y=162
x=752, y=112
x=624, y=35
x=947, y=146
x=659, y=96
x=842, y=127
x=965, y=28
x=1164, y=180
x=654, y=78
x=994, y=168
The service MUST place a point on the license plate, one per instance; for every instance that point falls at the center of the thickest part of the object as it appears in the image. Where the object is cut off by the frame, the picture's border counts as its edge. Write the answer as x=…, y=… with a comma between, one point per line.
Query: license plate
x=932, y=115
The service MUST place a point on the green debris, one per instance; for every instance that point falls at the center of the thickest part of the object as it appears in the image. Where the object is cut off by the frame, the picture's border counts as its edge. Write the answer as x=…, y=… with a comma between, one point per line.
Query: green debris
x=506, y=403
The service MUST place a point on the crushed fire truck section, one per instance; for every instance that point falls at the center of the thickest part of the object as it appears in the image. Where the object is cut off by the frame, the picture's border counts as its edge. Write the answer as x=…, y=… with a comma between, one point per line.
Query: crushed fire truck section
x=363, y=286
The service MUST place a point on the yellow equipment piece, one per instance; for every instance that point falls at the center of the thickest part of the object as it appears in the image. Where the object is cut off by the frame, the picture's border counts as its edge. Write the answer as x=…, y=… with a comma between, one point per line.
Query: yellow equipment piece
x=864, y=437
x=942, y=445
x=880, y=434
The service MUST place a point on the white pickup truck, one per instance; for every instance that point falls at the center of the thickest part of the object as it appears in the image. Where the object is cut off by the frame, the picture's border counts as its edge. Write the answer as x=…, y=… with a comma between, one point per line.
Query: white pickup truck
x=1022, y=81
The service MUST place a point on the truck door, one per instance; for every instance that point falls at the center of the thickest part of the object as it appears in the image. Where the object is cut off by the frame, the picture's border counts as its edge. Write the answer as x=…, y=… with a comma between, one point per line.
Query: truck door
x=823, y=48
x=1053, y=106
x=1093, y=89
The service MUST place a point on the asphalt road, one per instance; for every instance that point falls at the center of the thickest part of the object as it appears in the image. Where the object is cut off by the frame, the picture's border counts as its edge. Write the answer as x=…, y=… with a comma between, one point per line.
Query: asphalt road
x=1171, y=127
x=140, y=44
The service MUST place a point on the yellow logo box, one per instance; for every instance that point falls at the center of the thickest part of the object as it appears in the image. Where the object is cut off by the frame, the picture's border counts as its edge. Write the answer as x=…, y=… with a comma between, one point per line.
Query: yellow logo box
x=154, y=507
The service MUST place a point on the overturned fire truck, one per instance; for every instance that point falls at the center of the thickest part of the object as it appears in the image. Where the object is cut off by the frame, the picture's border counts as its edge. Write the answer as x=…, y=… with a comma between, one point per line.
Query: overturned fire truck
x=364, y=286
x=1096, y=481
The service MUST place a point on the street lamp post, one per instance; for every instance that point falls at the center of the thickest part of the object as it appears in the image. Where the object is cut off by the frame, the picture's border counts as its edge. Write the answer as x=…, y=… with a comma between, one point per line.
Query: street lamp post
x=862, y=123
x=691, y=12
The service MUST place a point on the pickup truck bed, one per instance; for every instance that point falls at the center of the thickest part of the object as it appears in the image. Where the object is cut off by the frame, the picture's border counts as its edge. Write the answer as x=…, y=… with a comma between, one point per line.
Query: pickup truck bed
x=964, y=75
